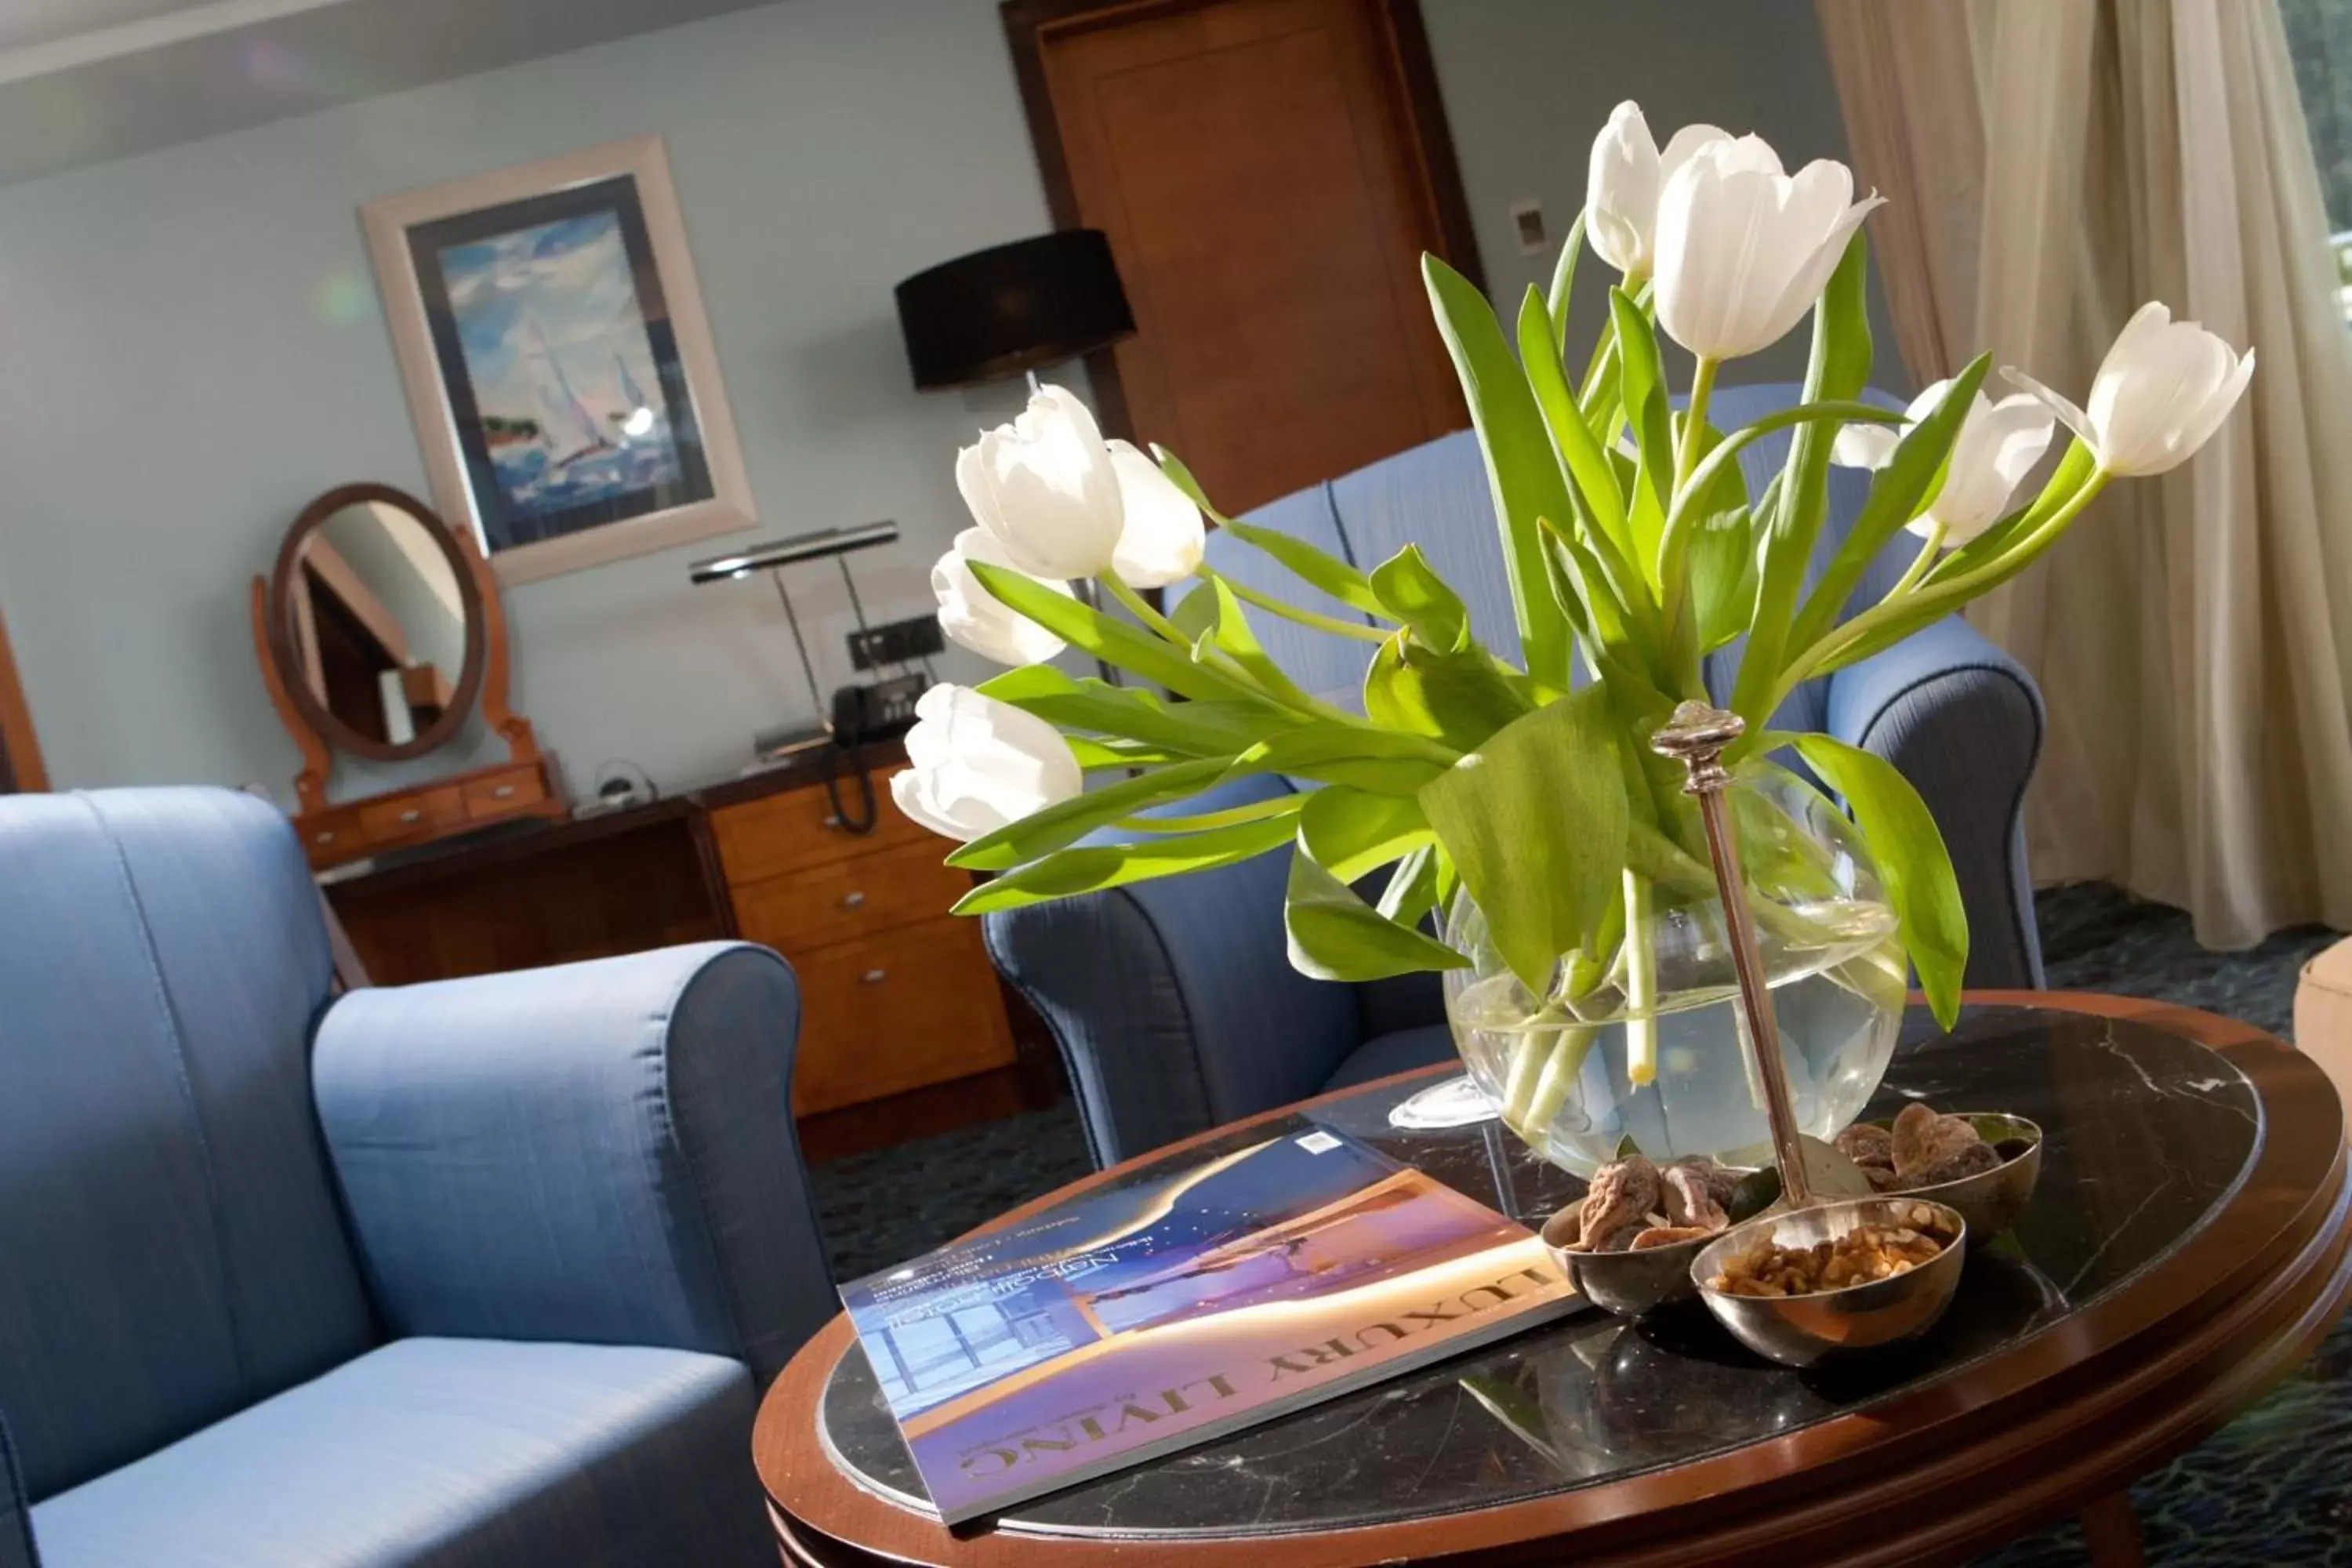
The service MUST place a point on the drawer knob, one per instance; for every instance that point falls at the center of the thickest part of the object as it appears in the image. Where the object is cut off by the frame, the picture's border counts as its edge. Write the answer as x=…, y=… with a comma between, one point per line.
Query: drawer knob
x=504, y=792
x=852, y=900
x=328, y=837
x=834, y=821
x=412, y=815
x=871, y=977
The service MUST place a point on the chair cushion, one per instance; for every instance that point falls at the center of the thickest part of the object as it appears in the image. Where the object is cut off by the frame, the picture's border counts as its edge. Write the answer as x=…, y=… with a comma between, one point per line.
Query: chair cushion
x=451, y=1453
x=1402, y=1051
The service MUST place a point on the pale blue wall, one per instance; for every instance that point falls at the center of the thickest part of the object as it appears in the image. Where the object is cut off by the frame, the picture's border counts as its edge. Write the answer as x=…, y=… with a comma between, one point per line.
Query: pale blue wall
x=190, y=346
x=1527, y=82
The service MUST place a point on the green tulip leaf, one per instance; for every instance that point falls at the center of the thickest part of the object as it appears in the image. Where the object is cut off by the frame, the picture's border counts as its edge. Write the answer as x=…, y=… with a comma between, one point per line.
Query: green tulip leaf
x=1196, y=612
x=1096, y=755
x=1838, y=371
x=1912, y=861
x=1536, y=821
x=1898, y=492
x=1335, y=935
x=1111, y=640
x=1383, y=762
x=1563, y=281
x=1522, y=471
x=1129, y=712
x=1231, y=637
x=1315, y=568
x=1411, y=591
x=1458, y=698
x=1721, y=563
x=1579, y=451
x=1417, y=885
x=1350, y=832
x=1092, y=867
x=1060, y=825
x=1653, y=421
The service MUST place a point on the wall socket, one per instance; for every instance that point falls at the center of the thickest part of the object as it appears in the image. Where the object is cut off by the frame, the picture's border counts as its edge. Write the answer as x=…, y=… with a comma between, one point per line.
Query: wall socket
x=1528, y=223
x=899, y=642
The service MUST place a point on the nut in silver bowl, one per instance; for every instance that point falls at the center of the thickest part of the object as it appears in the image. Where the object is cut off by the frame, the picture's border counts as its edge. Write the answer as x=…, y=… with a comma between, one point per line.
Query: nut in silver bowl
x=1798, y=1331
x=1626, y=1283
x=1991, y=1200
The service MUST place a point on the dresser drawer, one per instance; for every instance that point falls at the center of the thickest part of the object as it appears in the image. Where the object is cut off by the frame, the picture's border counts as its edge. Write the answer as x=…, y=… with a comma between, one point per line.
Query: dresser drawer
x=795, y=829
x=918, y=1006
x=847, y=900
x=330, y=837
x=503, y=794
x=405, y=816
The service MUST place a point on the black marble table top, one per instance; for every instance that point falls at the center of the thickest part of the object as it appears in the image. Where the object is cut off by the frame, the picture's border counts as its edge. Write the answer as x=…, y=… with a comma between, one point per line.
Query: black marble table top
x=2145, y=1134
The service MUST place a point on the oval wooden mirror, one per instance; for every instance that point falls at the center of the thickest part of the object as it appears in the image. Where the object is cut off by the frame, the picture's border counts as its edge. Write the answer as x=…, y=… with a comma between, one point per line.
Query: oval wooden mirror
x=377, y=624
x=379, y=631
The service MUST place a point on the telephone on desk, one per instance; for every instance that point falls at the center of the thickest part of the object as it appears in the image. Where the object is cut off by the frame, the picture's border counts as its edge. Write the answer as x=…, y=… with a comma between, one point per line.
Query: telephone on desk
x=877, y=711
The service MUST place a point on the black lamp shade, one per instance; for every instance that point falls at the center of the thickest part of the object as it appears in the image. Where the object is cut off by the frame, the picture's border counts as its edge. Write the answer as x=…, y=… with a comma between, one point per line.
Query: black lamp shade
x=1011, y=308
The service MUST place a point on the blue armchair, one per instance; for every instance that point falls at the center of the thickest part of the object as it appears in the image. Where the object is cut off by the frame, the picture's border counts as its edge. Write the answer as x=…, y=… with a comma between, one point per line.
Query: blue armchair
x=472, y=1275
x=1172, y=1002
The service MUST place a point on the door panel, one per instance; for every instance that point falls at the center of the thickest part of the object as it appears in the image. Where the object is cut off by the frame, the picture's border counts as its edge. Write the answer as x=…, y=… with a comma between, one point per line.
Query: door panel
x=1258, y=168
x=20, y=753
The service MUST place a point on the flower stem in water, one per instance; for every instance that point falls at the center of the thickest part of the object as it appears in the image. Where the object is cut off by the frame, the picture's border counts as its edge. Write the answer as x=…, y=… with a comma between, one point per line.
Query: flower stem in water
x=1641, y=985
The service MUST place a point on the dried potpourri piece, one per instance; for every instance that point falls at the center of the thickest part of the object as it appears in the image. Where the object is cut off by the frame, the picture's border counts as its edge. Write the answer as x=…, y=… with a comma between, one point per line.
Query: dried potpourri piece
x=1866, y=1253
x=1922, y=1140
x=1634, y=1205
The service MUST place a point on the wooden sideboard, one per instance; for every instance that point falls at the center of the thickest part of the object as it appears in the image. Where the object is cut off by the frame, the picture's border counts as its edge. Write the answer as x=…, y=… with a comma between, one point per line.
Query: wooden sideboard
x=904, y=1027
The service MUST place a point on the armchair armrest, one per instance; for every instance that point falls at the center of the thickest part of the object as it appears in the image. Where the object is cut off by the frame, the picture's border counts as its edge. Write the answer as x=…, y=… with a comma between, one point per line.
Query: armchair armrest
x=600, y=1153
x=1963, y=721
x=1172, y=1002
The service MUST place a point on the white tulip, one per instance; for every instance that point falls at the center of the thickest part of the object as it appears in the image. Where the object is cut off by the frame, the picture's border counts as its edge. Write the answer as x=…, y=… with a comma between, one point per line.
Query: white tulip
x=1161, y=541
x=1043, y=487
x=2162, y=391
x=1743, y=250
x=1996, y=446
x=979, y=763
x=1621, y=191
x=975, y=618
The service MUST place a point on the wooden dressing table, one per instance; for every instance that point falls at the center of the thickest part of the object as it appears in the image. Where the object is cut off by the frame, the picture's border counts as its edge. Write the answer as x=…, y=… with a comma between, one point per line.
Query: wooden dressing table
x=904, y=1027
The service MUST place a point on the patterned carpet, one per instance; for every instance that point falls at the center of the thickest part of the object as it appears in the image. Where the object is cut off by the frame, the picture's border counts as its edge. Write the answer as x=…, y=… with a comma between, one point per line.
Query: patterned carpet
x=2273, y=1488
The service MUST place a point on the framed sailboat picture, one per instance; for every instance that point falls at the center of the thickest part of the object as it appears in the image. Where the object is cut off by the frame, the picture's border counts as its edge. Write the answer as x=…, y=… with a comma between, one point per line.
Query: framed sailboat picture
x=558, y=365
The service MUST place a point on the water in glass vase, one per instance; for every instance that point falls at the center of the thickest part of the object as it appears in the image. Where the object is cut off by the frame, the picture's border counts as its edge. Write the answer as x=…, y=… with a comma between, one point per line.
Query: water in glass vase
x=1647, y=1048
x=1838, y=1025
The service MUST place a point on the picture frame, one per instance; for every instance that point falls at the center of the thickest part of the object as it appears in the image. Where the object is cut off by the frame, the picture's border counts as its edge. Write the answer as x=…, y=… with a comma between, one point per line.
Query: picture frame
x=558, y=368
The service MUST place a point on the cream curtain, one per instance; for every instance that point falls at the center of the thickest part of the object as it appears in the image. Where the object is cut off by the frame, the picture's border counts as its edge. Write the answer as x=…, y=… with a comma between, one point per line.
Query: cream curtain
x=2193, y=635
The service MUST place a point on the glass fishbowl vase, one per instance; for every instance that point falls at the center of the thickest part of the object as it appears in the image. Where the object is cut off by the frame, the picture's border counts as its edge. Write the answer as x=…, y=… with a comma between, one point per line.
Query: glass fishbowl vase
x=1642, y=1046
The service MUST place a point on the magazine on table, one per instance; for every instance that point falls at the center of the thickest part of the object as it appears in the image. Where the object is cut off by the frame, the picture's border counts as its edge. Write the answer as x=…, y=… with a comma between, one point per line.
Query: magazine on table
x=1135, y=1319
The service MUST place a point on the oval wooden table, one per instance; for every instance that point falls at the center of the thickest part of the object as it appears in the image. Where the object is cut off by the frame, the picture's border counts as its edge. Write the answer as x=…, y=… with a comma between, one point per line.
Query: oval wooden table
x=2186, y=1247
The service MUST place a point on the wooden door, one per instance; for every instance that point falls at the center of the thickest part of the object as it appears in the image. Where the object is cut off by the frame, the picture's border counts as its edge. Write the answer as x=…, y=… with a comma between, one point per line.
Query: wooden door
x=1269, y=173
x=20, y=755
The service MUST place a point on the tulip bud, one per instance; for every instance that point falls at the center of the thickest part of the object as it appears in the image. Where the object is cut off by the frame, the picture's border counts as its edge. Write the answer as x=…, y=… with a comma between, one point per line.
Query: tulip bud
x=1621, y=191
x=972, y=617
x=1743, y=250
x=1996, y=446
x=978, y=764
x=1044, y=489
x=1161, y=541
x=2162, y=391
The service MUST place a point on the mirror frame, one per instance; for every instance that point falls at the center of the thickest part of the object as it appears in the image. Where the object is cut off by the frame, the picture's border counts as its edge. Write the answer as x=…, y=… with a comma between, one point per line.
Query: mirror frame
x=314, y=712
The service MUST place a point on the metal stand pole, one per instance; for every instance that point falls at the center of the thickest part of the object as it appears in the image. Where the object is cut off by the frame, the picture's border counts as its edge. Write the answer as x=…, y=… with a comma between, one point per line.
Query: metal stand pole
x=1696, y=736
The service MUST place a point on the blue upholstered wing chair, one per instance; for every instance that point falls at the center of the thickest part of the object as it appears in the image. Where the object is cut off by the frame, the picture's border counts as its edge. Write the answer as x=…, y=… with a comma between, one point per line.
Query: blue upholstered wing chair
x=1172, y=1001
x=484, y=1273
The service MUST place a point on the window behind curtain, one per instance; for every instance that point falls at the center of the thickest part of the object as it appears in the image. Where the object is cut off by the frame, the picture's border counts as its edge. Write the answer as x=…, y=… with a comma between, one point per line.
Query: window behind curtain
x=2319, y=36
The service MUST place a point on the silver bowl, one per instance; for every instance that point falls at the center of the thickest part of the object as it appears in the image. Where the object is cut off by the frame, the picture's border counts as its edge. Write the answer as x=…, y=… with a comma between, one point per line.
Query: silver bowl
x=1991, y=1200
x=1626, y=1283
x=1798, y=1331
